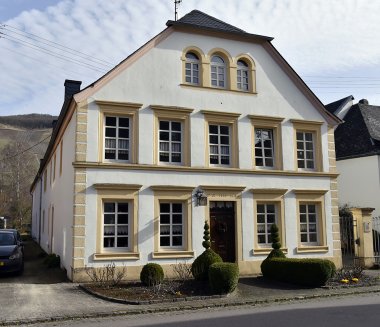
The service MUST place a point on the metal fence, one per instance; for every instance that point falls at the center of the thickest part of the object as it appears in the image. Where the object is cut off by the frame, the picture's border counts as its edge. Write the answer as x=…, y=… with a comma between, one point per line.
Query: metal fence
x=347, y=238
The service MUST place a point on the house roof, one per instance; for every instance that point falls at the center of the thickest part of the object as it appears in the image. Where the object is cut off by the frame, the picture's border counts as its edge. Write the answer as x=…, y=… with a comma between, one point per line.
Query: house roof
x=335, y=106
x=359, y=135
x=199, y=20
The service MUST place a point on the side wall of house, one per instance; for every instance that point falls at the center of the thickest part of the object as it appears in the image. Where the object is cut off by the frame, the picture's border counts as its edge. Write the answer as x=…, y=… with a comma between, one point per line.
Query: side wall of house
x=54, y=210
x=359, y=182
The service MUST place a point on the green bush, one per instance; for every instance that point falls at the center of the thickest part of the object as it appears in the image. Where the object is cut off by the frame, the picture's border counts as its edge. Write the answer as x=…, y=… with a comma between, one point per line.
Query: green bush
x=275, y=253
x=52, y=260
x=223, y=277
x=306, y=272
x=274, y=232
x=152, y=274
x=201, y=264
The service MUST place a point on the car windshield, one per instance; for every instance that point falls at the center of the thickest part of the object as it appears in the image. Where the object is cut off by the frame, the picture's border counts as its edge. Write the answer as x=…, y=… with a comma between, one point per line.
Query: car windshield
x=7, y=239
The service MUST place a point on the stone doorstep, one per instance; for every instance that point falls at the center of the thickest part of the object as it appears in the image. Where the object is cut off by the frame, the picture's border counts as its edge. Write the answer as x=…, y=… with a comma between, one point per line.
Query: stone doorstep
x=192, y=306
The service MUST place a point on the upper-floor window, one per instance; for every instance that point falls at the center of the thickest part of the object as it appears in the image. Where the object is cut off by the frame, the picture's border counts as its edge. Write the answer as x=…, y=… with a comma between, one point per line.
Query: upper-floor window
x=305, y=150
x=264, y=148
x=117, y=138
x=218, y=72
x=219, y=141
x=170, y=147
x=242, y=75
x=192, y=68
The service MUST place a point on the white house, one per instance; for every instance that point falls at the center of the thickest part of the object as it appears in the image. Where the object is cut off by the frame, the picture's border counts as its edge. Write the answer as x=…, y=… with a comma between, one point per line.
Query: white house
x=204, y=109
x=357, y=143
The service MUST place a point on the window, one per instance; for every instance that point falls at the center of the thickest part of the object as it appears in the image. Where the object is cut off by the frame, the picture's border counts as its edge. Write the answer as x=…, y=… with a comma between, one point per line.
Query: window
x=308, y=147
x=61, y=158
x=267, y=151
x=55, y=165
x=192, y=68
x=218, y=72
x=116, y=233
x=264, y=148
x=171, y=135
x=171, y=224
x=308, y=224
x=117, y=138
x=266, y=216
x=119, y=132
x=115, y=225
x=311, y=221
x=219, y=142
x=305, y=150
x=170, y=138
x=242, y=75
x=222, y=141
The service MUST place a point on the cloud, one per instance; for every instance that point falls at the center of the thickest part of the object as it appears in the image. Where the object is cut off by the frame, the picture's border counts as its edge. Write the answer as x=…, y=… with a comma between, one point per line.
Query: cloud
x=320, y=37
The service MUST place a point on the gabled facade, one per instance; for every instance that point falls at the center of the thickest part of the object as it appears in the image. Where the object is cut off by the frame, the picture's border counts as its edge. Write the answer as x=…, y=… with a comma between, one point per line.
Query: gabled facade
x=204, y=108
x=357, y=143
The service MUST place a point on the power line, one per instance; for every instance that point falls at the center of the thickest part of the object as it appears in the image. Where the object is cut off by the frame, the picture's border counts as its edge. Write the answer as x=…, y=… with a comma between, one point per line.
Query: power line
x=2, y=26
x=23, y=151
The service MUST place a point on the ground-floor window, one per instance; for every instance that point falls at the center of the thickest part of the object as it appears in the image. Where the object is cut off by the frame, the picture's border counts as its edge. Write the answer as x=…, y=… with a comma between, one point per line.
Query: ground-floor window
x=308, y=223
x=171, y=225
x=266, y=216
x=116, y=225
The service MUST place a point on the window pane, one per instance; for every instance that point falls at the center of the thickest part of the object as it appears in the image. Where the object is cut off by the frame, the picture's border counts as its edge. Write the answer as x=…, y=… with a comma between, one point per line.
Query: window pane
x=177, y=241
x=260, y=208
x=224, y=130
x=313, y=237
x=308, y=136
x=176, y=157
x=123, y=122
x=310, y=164
x=164, y=241
x=124, y=133
x=110, y=132
x=259, y=162
x=303, y=238
x=165, y=229
x=177, y=219
x=224, y=140
x=164, y=136
x=123, y=155
x=109, y=242
x=122, y=230
x=122, y=218
x=214, y=139
x=269, y=163
x=176, y=136
x=176, y=126
x=213, y=129
x=165, y=219
x=261, y=239
x=164, y=125
x=164, y=207
x=122, y=242
x=109, y=219
x=110, y=121
x=109, y=207
x=177, y=207
x=110, y=154
x=299, y=136
x=164, y=157
x=225, y=160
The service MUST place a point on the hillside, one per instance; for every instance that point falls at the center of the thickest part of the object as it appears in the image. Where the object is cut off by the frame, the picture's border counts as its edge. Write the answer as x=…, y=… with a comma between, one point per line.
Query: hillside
x=28, y=130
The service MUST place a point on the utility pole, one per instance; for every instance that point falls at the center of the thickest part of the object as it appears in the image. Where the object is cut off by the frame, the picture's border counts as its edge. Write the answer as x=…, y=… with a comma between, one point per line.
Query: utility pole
x=176, y=4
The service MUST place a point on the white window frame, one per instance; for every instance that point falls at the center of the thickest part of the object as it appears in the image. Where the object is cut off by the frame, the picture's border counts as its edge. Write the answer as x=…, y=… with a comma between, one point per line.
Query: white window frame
x=305, y=151
x=263, y=148
x=266, y=225
x=115, y=236
x=219, y=145
x=193, y=67
x=220, y=71
x=170, y=142
x=307, y=223
x=117, y=138
x=171, y=235
x=243, y=76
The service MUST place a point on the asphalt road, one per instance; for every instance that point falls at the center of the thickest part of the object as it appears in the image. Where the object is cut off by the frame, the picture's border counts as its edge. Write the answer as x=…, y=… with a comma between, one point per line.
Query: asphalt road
x=353, y=311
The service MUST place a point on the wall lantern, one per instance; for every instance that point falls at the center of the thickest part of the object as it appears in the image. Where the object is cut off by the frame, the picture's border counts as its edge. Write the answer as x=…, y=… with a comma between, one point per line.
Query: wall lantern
x=201, y=197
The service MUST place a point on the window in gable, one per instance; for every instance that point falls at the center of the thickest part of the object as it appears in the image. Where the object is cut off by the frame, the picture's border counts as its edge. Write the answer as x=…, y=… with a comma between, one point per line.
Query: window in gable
x=192, y=68
x=242, y=75
x=218, y=72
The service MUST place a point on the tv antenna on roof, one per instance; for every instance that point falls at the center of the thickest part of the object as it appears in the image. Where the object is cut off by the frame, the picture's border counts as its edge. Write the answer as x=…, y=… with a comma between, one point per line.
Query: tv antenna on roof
x=176, y=3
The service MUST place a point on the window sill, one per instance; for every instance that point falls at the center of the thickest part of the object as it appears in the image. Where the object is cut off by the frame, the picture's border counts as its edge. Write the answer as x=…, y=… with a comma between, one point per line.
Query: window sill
x=266, y=251
x=218, y=89
x=116, y=256
x=312, y=249
x=172, y=254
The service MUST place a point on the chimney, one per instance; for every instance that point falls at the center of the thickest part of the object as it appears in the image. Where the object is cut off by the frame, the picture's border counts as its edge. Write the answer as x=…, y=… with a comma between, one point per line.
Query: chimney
x=71, y=87
x=364, y=101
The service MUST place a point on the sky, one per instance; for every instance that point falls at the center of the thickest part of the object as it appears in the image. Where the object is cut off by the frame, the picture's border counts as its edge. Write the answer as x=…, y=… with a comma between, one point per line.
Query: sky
x=332, y=44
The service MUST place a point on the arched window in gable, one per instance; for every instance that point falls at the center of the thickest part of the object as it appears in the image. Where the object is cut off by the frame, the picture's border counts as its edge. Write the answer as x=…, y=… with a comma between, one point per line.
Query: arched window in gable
x=242, y=75
x=192, y=68
x=218, y=72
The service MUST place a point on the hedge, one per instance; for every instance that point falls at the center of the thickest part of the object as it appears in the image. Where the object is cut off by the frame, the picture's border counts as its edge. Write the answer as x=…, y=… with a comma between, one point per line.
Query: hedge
x=152, y=274
x=201, y=264
x=223, y=277
x=306, y=272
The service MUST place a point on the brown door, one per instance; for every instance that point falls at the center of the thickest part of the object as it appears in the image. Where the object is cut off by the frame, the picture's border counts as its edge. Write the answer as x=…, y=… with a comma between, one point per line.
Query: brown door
x=222, y=229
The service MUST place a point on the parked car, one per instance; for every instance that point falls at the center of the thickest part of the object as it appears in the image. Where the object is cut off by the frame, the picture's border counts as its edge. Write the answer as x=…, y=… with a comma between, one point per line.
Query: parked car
x=11, y=252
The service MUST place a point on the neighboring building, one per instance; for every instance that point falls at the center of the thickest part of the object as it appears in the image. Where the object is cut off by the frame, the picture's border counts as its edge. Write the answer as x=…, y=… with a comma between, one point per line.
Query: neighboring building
x=357, y=143
x=203, y=106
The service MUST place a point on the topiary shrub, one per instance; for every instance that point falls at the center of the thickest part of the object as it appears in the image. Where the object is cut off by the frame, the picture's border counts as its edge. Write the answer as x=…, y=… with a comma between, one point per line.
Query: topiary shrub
x=223, y=277
x=276, y=245
x=306, y=272
x=152, y=274
x=201, y=264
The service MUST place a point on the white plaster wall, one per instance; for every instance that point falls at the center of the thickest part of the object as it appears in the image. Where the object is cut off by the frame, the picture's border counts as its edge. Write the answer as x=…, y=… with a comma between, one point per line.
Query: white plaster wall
x=59, y=194
x=146, y=207
x=359, y=182
x=156, y=77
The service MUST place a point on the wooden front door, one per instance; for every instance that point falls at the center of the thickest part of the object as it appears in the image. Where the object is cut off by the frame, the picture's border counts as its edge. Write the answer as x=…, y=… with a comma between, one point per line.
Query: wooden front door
x=222, y=229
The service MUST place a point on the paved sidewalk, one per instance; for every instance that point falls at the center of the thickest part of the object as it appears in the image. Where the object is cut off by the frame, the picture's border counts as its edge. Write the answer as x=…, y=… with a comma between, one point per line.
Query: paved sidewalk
x=23, y=303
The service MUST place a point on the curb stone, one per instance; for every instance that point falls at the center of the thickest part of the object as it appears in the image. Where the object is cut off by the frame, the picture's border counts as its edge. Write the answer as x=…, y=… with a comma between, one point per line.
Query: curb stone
x=189, y=307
